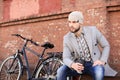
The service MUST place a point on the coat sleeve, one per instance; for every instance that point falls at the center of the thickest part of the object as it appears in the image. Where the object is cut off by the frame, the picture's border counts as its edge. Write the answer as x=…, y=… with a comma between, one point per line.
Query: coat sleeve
x=67, y=57
x=104, y=44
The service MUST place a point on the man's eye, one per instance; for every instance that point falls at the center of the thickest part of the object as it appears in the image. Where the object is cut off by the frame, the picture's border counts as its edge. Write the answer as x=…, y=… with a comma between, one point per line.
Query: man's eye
x=73, y=21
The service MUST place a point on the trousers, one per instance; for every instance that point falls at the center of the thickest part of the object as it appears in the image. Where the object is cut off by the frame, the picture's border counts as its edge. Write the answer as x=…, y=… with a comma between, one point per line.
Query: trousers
x=96, y=72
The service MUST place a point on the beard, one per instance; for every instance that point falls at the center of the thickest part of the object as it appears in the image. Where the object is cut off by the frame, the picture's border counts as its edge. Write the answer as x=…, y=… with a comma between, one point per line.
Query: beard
x=73, y=30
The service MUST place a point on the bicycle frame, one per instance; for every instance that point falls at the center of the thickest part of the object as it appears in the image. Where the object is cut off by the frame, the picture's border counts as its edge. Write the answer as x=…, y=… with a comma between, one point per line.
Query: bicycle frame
x=39, y=61
x=23, y=52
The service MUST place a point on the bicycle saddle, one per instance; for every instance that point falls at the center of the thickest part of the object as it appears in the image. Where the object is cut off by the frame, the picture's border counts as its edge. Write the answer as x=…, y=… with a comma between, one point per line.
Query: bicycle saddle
x=47, y=45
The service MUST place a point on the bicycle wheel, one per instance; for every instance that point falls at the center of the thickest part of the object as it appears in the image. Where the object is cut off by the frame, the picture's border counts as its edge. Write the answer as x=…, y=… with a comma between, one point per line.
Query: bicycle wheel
x=10, y=69
x=48, y=69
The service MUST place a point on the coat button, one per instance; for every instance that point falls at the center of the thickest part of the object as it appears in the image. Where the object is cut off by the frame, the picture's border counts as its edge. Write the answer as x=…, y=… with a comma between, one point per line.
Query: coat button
x=94, y=53
x=96, y=44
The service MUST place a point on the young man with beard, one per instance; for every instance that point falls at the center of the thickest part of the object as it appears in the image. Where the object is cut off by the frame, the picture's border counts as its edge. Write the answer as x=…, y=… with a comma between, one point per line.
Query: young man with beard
x=81, y=54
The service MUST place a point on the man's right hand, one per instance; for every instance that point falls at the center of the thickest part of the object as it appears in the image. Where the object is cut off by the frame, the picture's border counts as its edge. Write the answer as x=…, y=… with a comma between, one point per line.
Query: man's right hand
x=77, y=66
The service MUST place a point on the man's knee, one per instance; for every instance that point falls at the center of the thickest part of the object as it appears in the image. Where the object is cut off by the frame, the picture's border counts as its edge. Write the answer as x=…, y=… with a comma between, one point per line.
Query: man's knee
x=99, y=72
x=99, y=68
x=61, y=70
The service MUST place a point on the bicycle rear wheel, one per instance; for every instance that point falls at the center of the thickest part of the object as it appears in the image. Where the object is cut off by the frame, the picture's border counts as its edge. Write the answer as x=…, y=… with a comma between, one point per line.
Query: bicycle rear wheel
x=48, y=69
x=10, y=69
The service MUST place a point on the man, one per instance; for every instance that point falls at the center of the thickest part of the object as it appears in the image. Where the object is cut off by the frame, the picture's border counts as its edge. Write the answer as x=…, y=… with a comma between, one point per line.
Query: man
x=81, y=54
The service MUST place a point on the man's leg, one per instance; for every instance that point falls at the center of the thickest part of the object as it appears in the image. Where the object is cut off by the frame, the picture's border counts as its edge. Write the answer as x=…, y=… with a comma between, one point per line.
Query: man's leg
x=65, y=71
x=98, y=72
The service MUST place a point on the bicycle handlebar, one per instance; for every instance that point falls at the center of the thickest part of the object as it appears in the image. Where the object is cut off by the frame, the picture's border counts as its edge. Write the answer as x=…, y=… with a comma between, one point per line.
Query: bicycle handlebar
x=30, y=40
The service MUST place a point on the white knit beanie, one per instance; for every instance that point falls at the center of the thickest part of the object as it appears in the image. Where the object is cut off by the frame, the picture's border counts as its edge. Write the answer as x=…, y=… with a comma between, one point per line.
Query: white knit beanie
x=76, y=16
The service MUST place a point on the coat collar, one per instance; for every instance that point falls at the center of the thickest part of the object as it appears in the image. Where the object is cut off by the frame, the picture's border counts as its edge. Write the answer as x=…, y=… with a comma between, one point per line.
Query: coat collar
x=87, y=35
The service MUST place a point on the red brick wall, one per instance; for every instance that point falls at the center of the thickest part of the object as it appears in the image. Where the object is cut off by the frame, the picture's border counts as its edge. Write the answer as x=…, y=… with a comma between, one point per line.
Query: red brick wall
x=45, y=20
x=52, y=30
x=47, y=6
x=114, y=38
x=1, y=9
x=6, y=9
x=22, y=8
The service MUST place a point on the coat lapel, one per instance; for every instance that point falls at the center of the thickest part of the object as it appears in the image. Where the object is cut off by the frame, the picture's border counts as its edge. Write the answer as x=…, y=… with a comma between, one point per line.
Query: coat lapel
x=88, y=39
x=74, y=42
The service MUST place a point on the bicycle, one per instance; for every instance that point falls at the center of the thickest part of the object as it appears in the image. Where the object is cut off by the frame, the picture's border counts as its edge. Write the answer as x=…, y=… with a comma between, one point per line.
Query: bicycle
x=12, y=67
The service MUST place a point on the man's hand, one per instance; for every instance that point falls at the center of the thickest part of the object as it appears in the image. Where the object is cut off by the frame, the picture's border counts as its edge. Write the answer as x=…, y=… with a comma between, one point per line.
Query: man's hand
x=98, y=62
x=77, y=66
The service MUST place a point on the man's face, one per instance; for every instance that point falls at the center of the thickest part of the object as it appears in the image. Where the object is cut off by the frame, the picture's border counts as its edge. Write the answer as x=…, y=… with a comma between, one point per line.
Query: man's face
x=74, y=26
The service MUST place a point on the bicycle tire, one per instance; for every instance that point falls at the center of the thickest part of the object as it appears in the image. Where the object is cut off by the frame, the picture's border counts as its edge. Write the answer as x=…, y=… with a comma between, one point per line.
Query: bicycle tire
x=14, y=72
x=48, y=69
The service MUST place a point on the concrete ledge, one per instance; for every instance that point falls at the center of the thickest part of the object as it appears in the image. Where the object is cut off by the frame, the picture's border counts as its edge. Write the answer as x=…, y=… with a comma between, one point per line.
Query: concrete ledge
x=87, y=77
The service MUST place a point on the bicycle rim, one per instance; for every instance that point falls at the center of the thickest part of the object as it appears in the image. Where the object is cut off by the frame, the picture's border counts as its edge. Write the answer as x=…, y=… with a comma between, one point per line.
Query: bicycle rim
x=48, y=69
x=8, y=72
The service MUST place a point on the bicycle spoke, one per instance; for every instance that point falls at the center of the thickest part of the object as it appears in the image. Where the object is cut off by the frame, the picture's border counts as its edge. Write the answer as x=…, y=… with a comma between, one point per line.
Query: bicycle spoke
x=45, y=68
x=49, y=69
x=13, y=77
x=10, y=69
x=56, y=66
x=4, y=75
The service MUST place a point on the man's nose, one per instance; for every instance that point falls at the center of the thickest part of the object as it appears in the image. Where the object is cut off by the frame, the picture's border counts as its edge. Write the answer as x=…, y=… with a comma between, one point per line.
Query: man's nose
x=70, y=24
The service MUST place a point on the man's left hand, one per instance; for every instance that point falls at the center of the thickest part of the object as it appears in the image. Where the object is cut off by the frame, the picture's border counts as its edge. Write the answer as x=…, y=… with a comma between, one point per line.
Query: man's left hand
x=98, y=62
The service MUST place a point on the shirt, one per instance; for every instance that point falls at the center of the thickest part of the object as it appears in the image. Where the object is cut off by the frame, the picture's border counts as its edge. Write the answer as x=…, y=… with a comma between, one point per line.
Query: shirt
x=83, y=48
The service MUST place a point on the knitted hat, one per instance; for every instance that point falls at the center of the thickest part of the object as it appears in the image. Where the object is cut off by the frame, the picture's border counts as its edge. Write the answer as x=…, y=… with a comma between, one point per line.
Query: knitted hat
x=76, y=16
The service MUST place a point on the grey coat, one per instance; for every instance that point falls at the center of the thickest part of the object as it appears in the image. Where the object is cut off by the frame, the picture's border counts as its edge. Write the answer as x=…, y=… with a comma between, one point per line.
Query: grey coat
x=94, y=38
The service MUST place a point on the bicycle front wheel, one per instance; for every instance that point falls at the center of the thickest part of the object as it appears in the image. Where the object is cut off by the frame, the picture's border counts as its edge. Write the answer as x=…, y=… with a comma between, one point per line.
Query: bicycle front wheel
x=10, y=69
x=48, y=69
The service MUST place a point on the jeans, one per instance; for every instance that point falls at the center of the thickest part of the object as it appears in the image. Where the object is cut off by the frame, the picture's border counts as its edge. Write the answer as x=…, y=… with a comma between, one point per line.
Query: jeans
x=97, y=72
